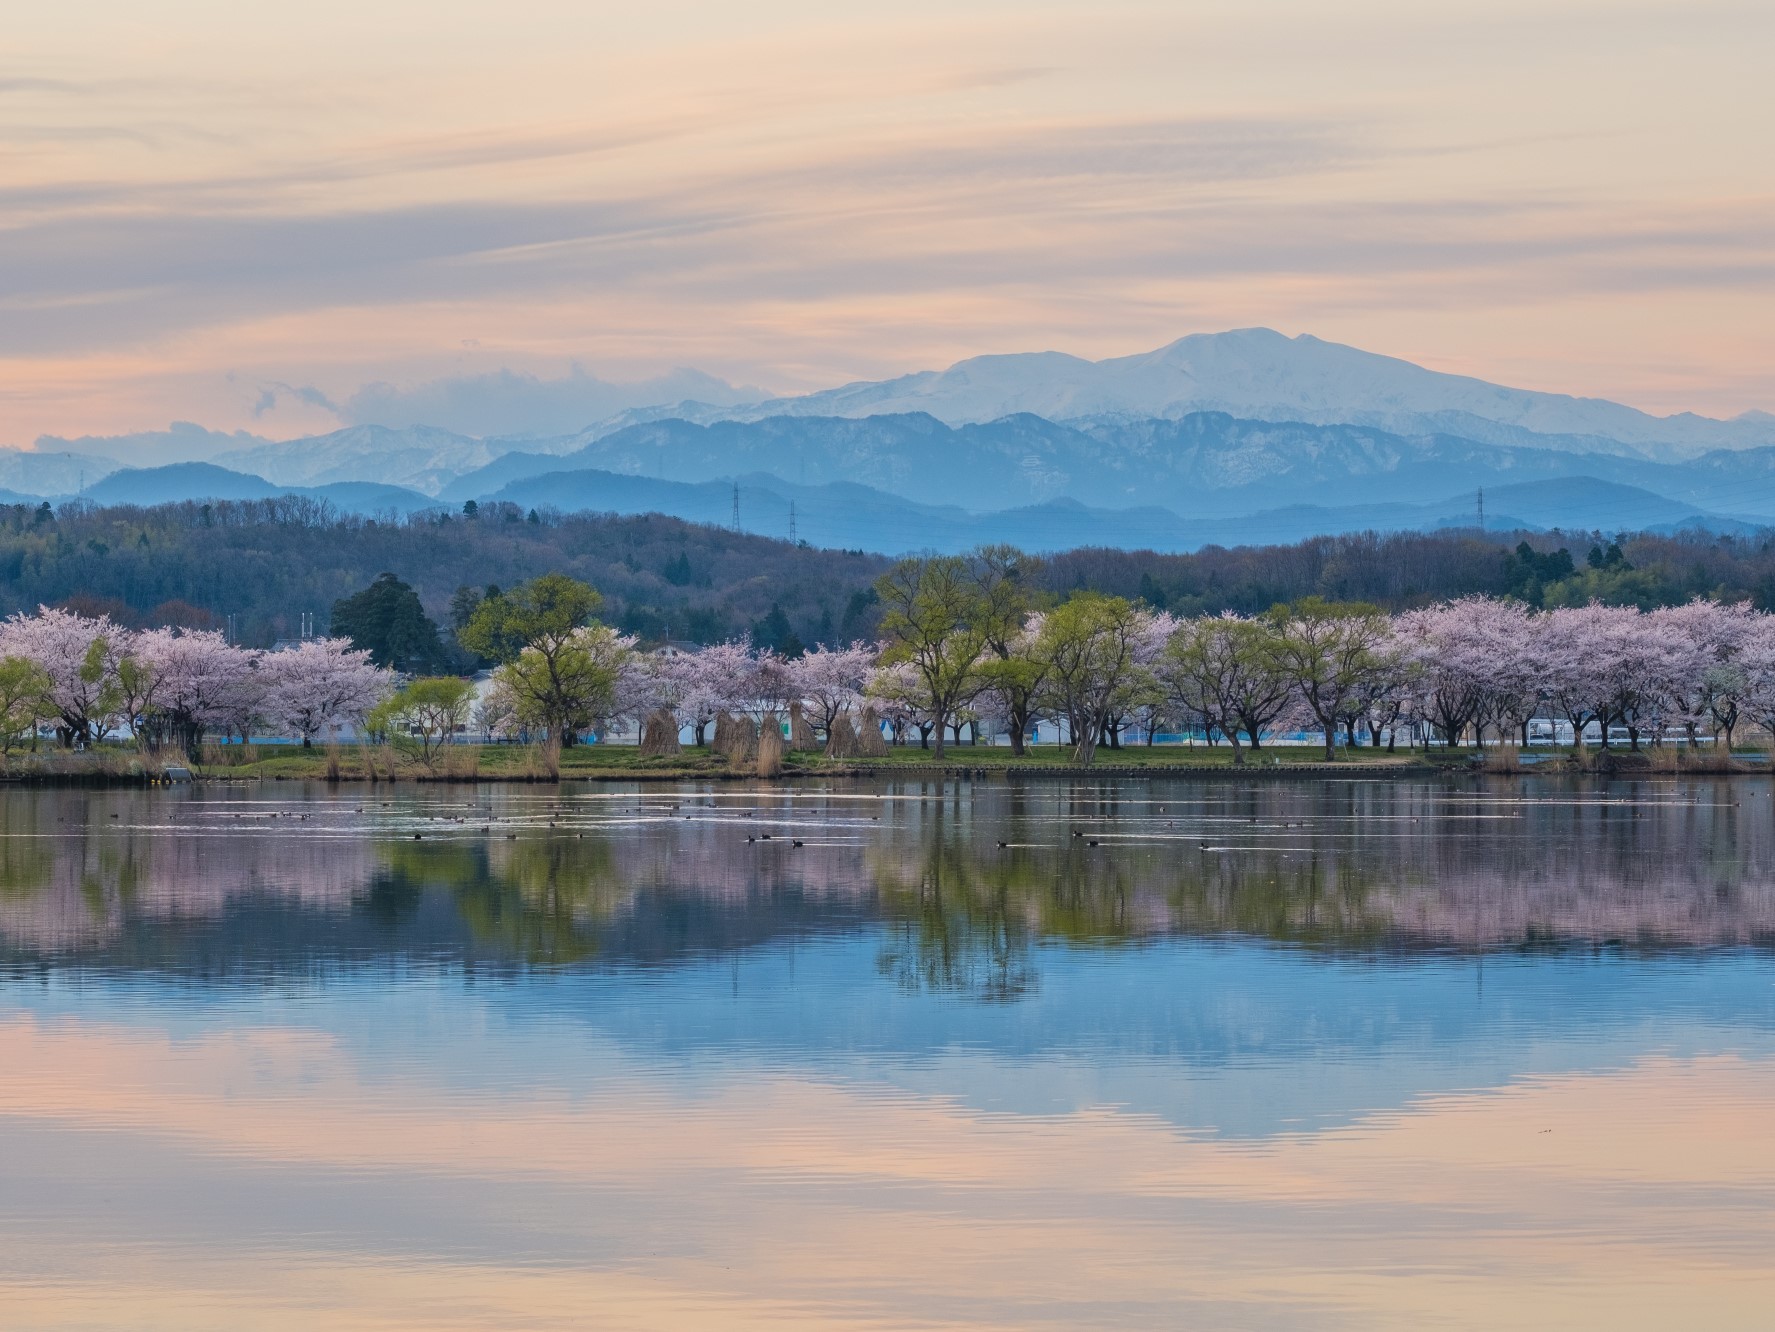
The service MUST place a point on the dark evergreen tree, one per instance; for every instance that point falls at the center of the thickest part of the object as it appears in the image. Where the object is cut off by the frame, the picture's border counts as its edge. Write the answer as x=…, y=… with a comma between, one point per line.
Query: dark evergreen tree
x=773, y=634
x=387, y=621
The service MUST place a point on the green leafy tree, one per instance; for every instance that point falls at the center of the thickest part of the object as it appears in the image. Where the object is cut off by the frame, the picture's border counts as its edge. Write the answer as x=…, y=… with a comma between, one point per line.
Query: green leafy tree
x=1331, y=651
x=1012, y=667
x=431, y=709
x=541, y=614
x=558, y=675
x=931, y=618
x=1089, y=645
x=24, y=701
x=387, y=621
x=572, y=688
x=1226, y=671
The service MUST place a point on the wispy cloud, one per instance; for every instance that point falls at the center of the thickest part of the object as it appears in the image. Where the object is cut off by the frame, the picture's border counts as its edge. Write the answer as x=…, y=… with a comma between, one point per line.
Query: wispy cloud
x=784, y=199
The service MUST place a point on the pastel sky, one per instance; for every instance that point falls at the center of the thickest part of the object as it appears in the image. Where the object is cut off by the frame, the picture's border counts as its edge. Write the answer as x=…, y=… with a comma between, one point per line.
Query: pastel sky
x=237, y=214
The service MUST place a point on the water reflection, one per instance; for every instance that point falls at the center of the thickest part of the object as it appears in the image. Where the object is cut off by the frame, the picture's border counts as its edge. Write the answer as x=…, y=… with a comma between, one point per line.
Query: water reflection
x=1097, y=1055
x=967, y=879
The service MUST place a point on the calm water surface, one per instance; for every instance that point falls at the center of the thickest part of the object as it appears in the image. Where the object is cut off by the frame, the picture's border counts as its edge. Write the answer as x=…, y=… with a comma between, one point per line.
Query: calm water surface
x=1125, y=1054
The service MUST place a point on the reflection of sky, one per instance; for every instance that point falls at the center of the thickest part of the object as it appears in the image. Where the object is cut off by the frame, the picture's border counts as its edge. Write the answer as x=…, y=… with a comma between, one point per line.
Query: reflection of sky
x=1236, y=1039
x=301, y=1080
x=788, y=1140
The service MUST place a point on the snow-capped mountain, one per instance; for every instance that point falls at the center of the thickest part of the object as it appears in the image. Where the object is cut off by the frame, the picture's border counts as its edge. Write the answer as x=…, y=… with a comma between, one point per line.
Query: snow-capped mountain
x=1039, y=426
x=1259, y=374
x=422, y=458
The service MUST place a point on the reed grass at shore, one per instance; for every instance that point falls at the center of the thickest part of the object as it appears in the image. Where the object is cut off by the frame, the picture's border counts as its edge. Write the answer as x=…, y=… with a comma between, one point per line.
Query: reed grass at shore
x=544, y=763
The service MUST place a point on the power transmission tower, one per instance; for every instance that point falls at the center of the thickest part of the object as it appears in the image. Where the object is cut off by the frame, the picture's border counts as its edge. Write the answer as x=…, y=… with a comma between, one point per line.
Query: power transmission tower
x=791, y=522
x=736, y=506
x=1482, y=508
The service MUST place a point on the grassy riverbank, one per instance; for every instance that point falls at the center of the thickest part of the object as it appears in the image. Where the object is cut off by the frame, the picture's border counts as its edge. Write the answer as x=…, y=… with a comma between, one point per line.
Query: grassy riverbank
x=625, y=763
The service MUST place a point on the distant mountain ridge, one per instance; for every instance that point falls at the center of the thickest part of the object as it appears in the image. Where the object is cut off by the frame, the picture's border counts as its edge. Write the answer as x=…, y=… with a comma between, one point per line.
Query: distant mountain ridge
x=1205, y=464
x=176, y=482
x=1259, y=374
x=1209, y=428
x=852, y=516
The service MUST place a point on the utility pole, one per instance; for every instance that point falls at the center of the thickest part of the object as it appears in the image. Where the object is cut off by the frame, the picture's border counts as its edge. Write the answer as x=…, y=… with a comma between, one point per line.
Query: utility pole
x=791, y=522
x=1482, y=508
x=736, y=506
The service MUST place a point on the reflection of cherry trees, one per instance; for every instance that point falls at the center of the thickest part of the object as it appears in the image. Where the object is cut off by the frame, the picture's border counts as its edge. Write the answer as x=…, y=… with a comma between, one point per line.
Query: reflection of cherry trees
x=1360, y=866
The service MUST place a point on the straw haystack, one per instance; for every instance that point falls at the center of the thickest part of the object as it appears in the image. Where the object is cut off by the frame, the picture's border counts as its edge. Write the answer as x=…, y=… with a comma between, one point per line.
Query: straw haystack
x=659, y=734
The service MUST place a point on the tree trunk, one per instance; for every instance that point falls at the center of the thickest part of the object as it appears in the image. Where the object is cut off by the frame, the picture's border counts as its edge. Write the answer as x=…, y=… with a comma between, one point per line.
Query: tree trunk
x=1019, y=720
x=1085, y=750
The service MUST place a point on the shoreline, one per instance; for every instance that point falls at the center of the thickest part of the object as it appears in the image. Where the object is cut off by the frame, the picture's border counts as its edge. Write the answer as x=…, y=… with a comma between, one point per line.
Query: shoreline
x=466, y=767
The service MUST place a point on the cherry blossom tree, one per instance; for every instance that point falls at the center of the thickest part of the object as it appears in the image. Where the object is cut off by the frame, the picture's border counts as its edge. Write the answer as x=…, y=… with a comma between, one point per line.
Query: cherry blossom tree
x=830, y=681
x=496, y=712
x=901, y=692
x=1705, y=677
x=1515, y=671
x=321, y=683
x=1447, y=647
x=1570, y=641
x=1756, y=662
x=713, y=680
x=1140, y=702
x=79, y=654
x=203, y=683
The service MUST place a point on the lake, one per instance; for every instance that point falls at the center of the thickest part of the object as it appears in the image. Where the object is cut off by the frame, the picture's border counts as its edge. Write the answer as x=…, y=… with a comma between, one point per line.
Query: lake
x=896, y=1054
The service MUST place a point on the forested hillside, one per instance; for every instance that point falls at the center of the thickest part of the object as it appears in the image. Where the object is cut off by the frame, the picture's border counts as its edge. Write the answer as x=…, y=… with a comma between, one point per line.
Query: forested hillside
x=267, y=563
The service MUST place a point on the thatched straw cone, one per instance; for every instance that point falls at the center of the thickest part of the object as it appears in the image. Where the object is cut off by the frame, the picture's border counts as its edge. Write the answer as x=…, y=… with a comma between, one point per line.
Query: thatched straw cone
x=841, y=739
x=801, y=735
x=659, y=734
x=734, y=737
x=869, y=741
x=770, y=746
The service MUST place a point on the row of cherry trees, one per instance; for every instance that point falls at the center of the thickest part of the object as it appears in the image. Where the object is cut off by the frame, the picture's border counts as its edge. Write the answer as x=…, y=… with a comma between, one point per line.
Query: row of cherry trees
x=1099, y=667
x=1095, y=666
x=88, y=678
x=696, y=687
